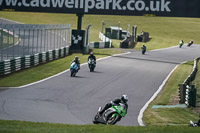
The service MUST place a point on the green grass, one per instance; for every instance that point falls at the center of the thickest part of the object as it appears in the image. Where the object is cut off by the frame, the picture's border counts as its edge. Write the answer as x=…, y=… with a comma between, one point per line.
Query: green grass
x=48, y=69
x=169, y=96
x=30, y=127
x=164, y=31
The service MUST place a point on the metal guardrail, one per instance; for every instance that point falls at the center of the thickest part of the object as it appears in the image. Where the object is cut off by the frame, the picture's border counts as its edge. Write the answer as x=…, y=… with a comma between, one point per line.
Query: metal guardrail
x=18, y=40
x=186, y=94
x=192, y=75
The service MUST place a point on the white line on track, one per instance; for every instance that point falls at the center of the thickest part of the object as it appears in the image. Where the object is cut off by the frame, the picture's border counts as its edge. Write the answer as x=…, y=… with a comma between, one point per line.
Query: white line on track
x=140, y=121
x=61, y=73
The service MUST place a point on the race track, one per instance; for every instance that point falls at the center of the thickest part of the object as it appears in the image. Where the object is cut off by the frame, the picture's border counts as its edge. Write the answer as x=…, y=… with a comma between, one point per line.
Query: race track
x=63, y=99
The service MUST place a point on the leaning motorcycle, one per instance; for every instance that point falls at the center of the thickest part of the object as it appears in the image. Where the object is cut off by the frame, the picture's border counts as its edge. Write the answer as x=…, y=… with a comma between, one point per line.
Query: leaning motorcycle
x=143, y=49
x=91, y=64
x=111, y=116
x=73, y=69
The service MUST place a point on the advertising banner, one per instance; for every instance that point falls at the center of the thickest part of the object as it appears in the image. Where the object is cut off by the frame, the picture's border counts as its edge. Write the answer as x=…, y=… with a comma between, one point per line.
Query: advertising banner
x=174, y=8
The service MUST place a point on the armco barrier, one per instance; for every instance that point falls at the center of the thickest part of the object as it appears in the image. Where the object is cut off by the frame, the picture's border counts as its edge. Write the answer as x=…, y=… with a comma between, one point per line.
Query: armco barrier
x=19, y=63
x=192, y=75
x=105, y=43
x=183, y=92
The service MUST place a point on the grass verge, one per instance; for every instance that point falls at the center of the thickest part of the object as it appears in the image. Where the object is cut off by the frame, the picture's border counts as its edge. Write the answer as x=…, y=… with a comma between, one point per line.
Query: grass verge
x=49, y=69
x=169, y=96
x=31, y=127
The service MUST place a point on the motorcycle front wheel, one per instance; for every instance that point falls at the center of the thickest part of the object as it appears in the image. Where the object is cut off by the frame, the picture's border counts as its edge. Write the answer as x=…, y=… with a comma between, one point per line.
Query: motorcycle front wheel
x=112, y=119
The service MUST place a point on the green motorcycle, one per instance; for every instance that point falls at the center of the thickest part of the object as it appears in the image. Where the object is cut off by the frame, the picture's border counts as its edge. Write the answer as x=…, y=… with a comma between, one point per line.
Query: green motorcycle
x=111, y=116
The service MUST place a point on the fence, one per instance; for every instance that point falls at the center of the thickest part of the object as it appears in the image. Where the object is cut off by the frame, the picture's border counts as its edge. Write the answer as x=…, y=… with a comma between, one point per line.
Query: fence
x=19, y=63
x=19, y=40
x=105, y=43
x=187, y=95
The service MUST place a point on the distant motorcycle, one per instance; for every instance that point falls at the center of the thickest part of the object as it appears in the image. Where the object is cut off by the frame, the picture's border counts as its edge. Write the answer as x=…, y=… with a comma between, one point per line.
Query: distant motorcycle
x=73, y=69
x=181, y=43
x=91, y=64
x=190, y=43
x=143, y=49
x=111, y=116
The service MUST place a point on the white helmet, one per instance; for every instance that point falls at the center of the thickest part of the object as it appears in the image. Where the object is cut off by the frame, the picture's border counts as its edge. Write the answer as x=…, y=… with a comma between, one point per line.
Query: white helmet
x=124, y=98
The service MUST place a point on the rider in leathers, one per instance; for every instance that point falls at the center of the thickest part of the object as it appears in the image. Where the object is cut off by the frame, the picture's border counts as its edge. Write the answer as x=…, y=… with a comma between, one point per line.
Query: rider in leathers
x=92, y=57
x=123, y=100
x=76, y=60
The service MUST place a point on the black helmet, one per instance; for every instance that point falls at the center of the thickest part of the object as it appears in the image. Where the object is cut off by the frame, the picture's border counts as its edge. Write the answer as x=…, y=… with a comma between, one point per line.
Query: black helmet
x=76, y=58
x=124, y=98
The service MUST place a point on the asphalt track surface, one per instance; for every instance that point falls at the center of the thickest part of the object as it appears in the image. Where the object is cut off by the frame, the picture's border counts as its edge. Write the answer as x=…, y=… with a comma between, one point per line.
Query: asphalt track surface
x=75, y=100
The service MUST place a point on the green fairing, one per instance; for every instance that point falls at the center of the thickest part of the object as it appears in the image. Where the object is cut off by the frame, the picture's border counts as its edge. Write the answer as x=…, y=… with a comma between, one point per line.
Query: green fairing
x=122, y=112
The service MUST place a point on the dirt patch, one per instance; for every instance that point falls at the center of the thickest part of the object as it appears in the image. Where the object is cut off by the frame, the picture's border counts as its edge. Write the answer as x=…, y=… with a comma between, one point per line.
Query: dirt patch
x=174, y=100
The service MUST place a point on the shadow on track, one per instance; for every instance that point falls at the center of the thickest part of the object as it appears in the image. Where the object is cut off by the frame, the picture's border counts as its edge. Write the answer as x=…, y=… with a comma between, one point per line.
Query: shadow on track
x=79, y=77
x=96, y=72
x=134, y=58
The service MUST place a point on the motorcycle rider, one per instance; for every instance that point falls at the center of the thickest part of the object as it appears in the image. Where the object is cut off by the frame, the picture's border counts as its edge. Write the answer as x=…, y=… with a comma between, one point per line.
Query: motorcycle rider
x=123, y=100
x=181, y=43
x=190, y=43
x=144, y=48
x=76, y=60
x=92, y=57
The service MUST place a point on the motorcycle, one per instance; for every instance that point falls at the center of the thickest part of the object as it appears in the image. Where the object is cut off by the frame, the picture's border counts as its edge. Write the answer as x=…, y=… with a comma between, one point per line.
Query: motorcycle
x=91, y=64
x=181, y=43
x=190, y=43
x=111, y=116
x=73, y=69
x=143, y=49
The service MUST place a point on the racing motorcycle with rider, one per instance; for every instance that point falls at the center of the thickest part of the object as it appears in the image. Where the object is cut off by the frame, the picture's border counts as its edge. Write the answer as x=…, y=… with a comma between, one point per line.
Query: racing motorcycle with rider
x=91, y=62
x=112, y=112
x=74, y=66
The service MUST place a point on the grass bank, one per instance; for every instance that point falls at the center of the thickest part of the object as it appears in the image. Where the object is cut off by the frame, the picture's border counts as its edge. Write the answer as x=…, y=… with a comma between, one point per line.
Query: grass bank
x=49, y=69
x=30, y=127
x=169, y=96
x=164, y=31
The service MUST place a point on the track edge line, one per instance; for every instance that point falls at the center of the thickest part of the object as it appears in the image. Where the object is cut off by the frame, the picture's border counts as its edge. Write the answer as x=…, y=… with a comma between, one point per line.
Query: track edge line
x=140, y=121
